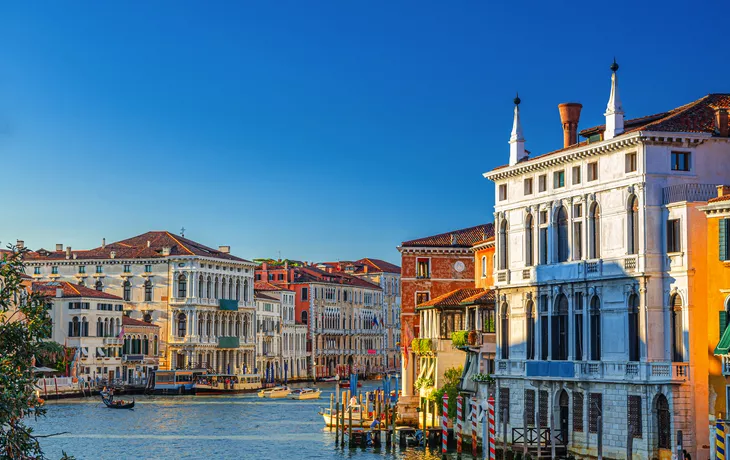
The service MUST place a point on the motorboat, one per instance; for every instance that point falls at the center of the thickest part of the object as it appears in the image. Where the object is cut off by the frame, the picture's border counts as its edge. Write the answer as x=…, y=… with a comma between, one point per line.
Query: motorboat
x=226, y=383
x=305, y=393
x=346, y=384
x=359, y=418
x=273, y=393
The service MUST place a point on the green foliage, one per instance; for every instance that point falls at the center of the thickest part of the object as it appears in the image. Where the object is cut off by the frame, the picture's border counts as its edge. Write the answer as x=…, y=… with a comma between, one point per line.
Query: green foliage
x=422, y=347
x=459, y=338
x=452, y=376
x=24, y=321
x=423, y=383
x=482, y=378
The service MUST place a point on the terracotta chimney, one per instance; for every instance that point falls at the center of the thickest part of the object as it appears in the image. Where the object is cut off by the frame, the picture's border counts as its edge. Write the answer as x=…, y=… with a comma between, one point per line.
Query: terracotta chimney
x=224, y=249
x=569, y=116
x=721, y=122
x=723, y=190
x=103, y=243
x=68, y=252
x=20, y=244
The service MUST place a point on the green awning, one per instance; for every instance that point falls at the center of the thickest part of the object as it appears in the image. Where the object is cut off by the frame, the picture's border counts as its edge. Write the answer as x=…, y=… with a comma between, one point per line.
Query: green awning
x=724, y=345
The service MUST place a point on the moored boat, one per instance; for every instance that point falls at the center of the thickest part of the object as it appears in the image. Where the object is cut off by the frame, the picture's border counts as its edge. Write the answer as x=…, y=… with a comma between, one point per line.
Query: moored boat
x=346, y=384
x=358, y=417
x=305, y=393
x=226, y=383
x=273, y=393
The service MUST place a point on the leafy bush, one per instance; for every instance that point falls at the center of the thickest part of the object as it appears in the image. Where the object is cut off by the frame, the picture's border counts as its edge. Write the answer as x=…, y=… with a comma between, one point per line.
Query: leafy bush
x=423, y=382
x=482, y=378
x=459, y=338
x=422, y=347
x=452, y=376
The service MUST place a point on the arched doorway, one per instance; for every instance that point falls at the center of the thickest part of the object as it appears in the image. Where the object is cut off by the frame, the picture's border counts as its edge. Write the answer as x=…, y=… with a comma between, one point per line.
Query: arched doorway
x=564, y=404
x=664, y=438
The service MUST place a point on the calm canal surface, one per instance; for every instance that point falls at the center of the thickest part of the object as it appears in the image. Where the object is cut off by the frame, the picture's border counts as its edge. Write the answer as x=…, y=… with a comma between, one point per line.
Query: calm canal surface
x=215, y=427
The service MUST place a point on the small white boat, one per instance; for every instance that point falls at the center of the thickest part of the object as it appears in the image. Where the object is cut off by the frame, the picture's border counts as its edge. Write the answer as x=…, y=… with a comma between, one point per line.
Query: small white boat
x=305, y=393
x=336, y=378
x=276, y=392
x=358, y=418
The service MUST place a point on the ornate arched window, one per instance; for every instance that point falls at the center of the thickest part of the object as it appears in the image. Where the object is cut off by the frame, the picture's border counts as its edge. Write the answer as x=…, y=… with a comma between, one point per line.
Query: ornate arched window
x=182, y=286
x=561, y=220
x=201, y=285
x=530, y=329
x=634, y=336
x=504, y=344
x=633, y=225
x=245, y=290
x=182, y=325
x=209, y=288
x=127, y=290
x=99, y=328
x=677, y=328
x=560, y=328
x=215, y=288
x=595, y=330
x=230, y=289
x=73, y=327
x=238, y=290
x=594, y=222
x=148, y=291
x=529, y=241
x=304, y=317
x=503, y=240
x=223, y=287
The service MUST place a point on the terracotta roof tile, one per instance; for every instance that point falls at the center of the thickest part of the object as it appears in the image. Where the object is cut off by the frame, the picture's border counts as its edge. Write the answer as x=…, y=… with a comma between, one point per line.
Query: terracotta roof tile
x=266, y=286
x=719, y=199
x=485, y=297
x=453, y=298
x=72, y=290
x=258, y=295
x=379, y=266
x=465, y=237
x=311, y=274
x=127, y=321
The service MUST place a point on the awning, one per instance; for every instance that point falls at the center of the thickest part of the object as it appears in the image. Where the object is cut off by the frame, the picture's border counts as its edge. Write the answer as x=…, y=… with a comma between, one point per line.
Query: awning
x=85, y=351
x=100, y=353
x=724, y=345
x=471, y=367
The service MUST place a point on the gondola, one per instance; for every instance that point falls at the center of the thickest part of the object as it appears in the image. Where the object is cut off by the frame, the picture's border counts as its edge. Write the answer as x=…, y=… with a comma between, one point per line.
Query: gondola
x=111, y=404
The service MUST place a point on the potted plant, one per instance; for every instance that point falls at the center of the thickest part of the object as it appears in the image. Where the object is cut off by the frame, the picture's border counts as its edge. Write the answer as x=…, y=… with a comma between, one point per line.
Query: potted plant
x=472, y=337
x=459, y=339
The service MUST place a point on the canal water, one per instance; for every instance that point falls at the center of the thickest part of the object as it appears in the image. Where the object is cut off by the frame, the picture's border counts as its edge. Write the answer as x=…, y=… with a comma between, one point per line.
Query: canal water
x=191, y=427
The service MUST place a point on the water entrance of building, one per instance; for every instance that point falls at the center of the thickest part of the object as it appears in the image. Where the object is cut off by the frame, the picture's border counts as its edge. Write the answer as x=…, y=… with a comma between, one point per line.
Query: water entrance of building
x=564, y=404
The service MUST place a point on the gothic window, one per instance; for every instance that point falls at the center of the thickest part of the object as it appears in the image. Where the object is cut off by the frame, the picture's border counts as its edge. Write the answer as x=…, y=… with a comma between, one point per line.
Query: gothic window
x=529, y=317
x=304, y=317
x=529, y=245
x=578, y=326
x=245, y=290
x=182, y=286
x=562, y=234
x=595, y=232
x=223, y=287
x=209, y=288
x=201, y=285
x=215, y=288
x=505, y=331
x=127, y=290
x=503, y=258
x=238, y=290
x=595, y=328
x=634, y=339
x=182, y=324
x=633, y=225
x=677, y=329
x=560, y=329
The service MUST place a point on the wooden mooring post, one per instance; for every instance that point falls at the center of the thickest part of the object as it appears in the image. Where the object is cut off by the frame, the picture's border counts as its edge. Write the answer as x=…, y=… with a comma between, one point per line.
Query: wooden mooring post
x=349, y=427
x=336, y=415
x=332, y=406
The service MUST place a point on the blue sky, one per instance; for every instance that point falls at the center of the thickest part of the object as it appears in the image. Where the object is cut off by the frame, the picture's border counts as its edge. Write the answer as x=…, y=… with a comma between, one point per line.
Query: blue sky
x=323, y=130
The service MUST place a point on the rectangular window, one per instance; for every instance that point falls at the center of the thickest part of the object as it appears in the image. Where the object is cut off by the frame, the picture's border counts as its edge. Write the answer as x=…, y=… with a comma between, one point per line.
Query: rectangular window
x=578, y=337
x=542, y=183
x=543, y=409
x=82, y=269
x=634, y=415
x=576, y=175
x=54, y=270
x=594, y=411
x=528, y=186
x=148, y=268
x=631, y=162
x=504, y=405
x=674, y=241
x=127, y=268
x=37, y=271
x=305, y=294
x=544, y=337
x=422, y=297
x=577, y=411
x=99, y=269
x=680, y=161
x=487, y=318
x=423, y=268
x=577, y=240
x=502, y=192
x=530, y=407
x=558, y=179
x=543, y=245
x=592, y=171
x=577, y=211
x=724, y=239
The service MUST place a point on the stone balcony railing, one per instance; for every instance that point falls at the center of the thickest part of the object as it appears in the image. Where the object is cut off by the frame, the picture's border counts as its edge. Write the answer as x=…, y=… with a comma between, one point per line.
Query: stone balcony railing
x=570, y=270
x=653, y=371
x=113, y=341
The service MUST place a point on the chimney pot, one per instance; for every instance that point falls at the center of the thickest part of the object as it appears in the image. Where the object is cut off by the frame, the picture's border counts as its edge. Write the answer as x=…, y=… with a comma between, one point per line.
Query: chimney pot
x=59, y=292
x=20, y=244
x=68, y=252
x=166, y=250
x=723, y=190
x=103, y=243
x=569, y=117
x=59, y=247
x=149, y=243
x=224, y=249
x=721, y=122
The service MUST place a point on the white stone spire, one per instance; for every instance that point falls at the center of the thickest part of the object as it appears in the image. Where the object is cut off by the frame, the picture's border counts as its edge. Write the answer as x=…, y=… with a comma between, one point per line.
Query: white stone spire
x=614, y=110
x=516, y=140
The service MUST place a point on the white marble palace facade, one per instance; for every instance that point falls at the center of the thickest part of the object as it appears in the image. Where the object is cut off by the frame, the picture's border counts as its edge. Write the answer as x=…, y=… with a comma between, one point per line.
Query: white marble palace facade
x=594, y=292
x=201, y=298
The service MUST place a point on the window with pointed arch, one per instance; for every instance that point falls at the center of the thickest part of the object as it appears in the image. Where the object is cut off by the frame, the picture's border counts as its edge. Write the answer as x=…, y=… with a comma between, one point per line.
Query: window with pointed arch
x=634, y=332
x=529, y=241
x=504, y=344
x=215, y=288
x=594, y=222
x=633, y=225
x=182, y=286
x=304, y=317
x=182, y=324
x=209, y=288
x=503, y=238
x=561, y=221
x=560, y=331
x=675, y=313
x=223, y=287
x=238, y=290
x=530, y=329
x=245, y=290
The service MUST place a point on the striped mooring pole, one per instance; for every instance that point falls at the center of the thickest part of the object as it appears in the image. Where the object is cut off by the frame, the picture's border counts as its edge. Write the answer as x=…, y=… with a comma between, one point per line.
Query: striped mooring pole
x=459, y=424
x=474, y=427
x=492, y=445
x=445, y=425
x=720, y=440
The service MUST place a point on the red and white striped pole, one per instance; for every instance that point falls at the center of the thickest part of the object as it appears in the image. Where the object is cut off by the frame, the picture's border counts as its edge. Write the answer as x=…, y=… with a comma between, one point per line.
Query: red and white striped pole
x=445, y=425
x=459, y=424
x=474, y=427
x=492, y=445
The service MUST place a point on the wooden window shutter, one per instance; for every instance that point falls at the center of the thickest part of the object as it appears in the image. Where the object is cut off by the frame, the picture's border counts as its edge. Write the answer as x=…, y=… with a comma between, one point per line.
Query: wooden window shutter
x=724, y=239
x=723, y=322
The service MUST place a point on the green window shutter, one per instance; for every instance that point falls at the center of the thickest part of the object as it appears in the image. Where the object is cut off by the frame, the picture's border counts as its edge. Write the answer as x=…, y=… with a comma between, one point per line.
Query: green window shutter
x=723, y=239
x=723, y=322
